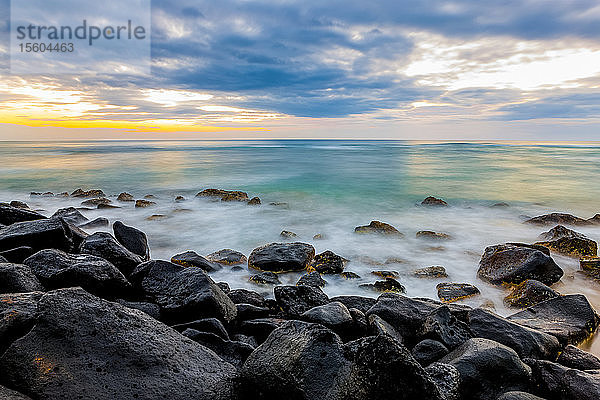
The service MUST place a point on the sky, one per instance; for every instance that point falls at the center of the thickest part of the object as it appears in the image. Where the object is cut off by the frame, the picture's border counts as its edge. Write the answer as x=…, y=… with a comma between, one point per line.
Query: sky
x=400, y=69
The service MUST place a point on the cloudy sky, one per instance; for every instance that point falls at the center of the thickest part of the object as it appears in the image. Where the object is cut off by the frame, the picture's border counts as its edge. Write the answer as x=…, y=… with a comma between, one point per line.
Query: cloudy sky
x=405, y=69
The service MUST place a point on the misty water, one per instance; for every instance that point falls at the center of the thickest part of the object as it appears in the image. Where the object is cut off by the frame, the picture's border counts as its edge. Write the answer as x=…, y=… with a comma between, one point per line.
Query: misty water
x=329, y=187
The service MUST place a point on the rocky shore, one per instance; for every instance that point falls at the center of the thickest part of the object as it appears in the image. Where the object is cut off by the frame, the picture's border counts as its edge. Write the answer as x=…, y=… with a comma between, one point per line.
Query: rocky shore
x=94, y=316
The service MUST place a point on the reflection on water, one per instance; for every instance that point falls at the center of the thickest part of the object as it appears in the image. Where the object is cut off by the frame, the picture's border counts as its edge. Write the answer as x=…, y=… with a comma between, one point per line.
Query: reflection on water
x=331, y=187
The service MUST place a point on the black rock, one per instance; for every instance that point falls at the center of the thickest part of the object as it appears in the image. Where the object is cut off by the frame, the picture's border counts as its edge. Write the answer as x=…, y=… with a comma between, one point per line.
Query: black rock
x=233, y=352
x=296, y=300
x=487, y=369
x=71, y=215
x=427, y=351
x=528, y=293
x=442, y=326
x=16, y=278
x=265, y=278
x=192, y=259
x=210, y=325
x=96, y=202
x=511, y=263
x=40, y=234
x=56, y=269
x=380, y=228
x=359, y=302
x=151, y=309
x=183, y=294
x=10, y=215
x=569, y=318
x=447, y=379
x=378, y=326
x=227, y=257
x=124, y=196
x=573, y=357
x=334, y=316
x=555, y=381
x=313, y=279
x=132, y=239
x=85, y=347
x=279, y=257
x=18, y=312
x=328, y=263
x=433, y=201
x=247, y=297
x=99, y=222
x=249, y=311
x=525, y=341
x=288, y=235
x=249, y=340
x=255, y=201
x=261, y=328
x=88, y=193
x=7, y=394
x=560, y=232
x=18, y=204
x=557, y=218
x=387, y=285
x=103, y=244
x=516, y=395
x=449, y=292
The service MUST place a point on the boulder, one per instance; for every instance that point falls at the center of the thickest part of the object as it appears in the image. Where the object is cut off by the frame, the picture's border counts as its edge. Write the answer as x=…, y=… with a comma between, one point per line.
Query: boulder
x=328, y=263
x=559, y=232
x=334, y=316
x=232, y=351
x=432, y=201
x=103, y=244
x=573, y=357
x=431, y=235
x=85, y=347
x=557, y=218
x=99, y=222
x=569, y=318
x=288, y=235
x=88, y=193
x=529, y=293
x=444, y=327
x=487, y=369
x=590, y=265
x=359, y=302
x=71, y=215
x=40, y=234
x=18, y=312
x=378, y=326
x=144, y=203
x=349, y=275
x=380, y=228
x=427, y=351
x=265, y=278
x=192, y=259
x=387, y=285
x=449, y=292
x=183, y=294
x=261, y=328
x=235, y=195
x=132, y=239
x=386, y=274
x=227, y=257
x=151, y=309
x=95, y=202
x=514, y=263
x=446, y=378
x=279, y=257
x=250, y=311
x=255, y=201
x=209, y=325
x=17, y=278
x=7, y=394
x=313, y=279
x=18, y=204
x=17, y=255
x=10, y=215
x=555, y=381
x=435, y=271
x=239, y=296
x=572, y=247
x=525, y=341
x=125, y=197
x=296, y=300
x=517, y=395
x=56, y=269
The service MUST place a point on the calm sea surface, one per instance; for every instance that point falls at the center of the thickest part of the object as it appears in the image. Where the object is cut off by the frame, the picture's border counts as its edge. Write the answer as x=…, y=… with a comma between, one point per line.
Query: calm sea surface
x=329, y=187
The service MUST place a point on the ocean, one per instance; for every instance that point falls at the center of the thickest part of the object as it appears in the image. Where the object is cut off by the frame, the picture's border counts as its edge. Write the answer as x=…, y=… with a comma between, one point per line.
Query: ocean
x=329, y=187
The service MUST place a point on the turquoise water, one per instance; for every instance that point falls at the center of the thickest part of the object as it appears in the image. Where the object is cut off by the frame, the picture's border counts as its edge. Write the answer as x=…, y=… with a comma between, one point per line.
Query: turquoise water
x=329, y=187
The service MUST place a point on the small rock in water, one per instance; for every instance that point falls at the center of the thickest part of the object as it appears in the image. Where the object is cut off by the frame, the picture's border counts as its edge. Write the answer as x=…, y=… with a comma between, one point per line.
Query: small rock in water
x=235, y=195
x=279, y=257
x=18, y=204
x=88, y=193
x=255, y=201
x=313, y=279
x=227, y=257
x=328, y=263
x=179, y=199
x=144, y=203
x=192, y=259
x=557, y=218
x=590, y=265
x=149, y=197
x=350, y=275
x=103, y=206
x=287, y=234
x=449, y=292
x=573, y=247
x=386, y=274
x=433, y=201
x=500, y=205
x=96, y=202
x=529, y=293
x=156, y=217
x=388, y=285
x=318, y=236
x=265, y=278
x=125, y=197
x=431, y=235
x=435, y=271
x=380, y=228
x=99, y=222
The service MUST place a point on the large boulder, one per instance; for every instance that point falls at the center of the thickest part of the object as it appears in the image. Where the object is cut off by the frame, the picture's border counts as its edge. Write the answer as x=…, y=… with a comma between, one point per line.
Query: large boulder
x=192, y=259
x=334, y=316
x=569, y=318
x=17, y=255
x=514, y=263
x=525, y=341
x=71, y=215
x=574, y=357
x=7, y=394
x=446, y=378
x=488, y=369
x=40, y=234
x=529, y=293
x=444, y=327
x=517, y=395
x=56, y=269
x=296, y=300
x=17, y=278
x=18, y=312
x=573, y=247
x=84, y=347
x=10, y=215
x=328, y=263
x=227, y=257
x=279, y=257
x=557, y=218
x=428, y=350
x=232, y=351
x=132, y=239
x=183, y=294
x=359, y=302
x=103, y=244
x=555, y=381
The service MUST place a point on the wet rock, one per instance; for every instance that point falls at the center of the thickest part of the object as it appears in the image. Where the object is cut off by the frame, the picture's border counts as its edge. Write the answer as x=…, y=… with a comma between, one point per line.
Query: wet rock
x=17, y=255
x=334, y=316
x=442, y=326
x=88, y=193
x=359, y=302
x=500, y=205
x=265, y=278
x=96, y=202
x=182, y=293
x=435, y=271
x=150, y=196
x=249, y=311
x=349, y=275
x=313, y=279
x=487, y=369
x=560, y=232
x=514, y=263
x=529, y=293
x=449, y=292
x=192, y=259
x=125, y=197
x=525, y=341
x=210, y=325
x=7, y=394
x=573, y=357
x=156, y=217
x=227, y=257
x=144, y=203
x=212, y=193
x=280, y=204
x=318, y=236
x=386, y=274
x=235, y=196
x=555, y=381
x=517, y=395
x=132, y=239
x=279, y=257
x=361, y=325
x=430, y=235
x=328, y=263
x=378, y=326
x=19, y=204
x=590, y=265
x=224, y=287
x=151, y=309
x=388, y=285
x=56, y=269
x=239, y=296
x=250, y=340
x=427, y=351
x=106, y=206
x=569, y=318
x=233, y=352
x=18, y=312
x=84, y=347
x=10, y=215
x=288, y=235
x=103, y=244
x=71, y=215
x=299, y=360
x=255, y=201
x=446, y=378
x=179, y=199
x=380, y=228
x=296, y=300
x=432, y=201
x=573, y=247
x=99, y=222
x=16, y=278
x=39, y=234
x=557, y=218
x=261, y=328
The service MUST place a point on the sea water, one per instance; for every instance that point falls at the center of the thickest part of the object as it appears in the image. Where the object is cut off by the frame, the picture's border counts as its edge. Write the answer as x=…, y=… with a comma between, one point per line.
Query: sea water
x=328, y=187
